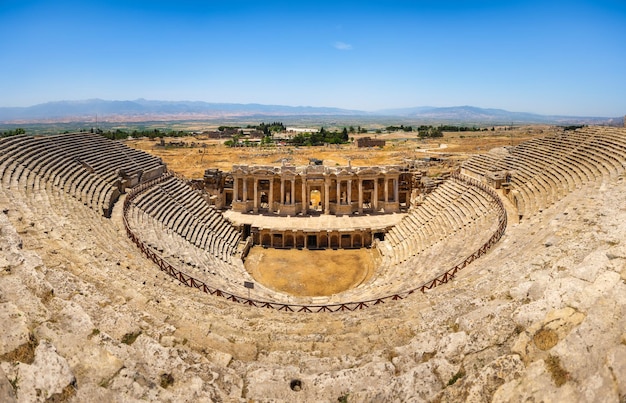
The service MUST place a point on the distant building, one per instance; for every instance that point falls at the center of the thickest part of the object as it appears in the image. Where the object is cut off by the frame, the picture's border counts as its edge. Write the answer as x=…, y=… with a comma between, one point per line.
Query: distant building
x=301, y=130
x=369, y=142
x=214, y=134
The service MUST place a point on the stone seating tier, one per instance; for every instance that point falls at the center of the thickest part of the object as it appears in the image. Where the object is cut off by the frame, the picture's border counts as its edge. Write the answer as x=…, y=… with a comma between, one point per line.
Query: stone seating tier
x=84, y=165
x=544, y=170
x=447, y=210
x=185, y=212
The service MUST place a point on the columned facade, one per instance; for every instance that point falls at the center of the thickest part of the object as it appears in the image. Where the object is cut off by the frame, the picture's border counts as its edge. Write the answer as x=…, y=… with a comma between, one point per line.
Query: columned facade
x=315, y=189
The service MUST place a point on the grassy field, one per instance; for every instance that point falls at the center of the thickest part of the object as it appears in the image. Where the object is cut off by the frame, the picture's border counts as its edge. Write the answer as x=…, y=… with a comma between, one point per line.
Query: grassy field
x=200, y=153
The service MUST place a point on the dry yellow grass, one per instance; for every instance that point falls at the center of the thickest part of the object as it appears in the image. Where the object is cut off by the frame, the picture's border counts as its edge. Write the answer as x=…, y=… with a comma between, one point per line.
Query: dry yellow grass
x=192, y=161
x=310, y=272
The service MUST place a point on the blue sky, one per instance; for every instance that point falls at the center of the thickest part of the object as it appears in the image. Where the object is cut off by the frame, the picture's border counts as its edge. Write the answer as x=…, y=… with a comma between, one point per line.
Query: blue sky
x=549, y=57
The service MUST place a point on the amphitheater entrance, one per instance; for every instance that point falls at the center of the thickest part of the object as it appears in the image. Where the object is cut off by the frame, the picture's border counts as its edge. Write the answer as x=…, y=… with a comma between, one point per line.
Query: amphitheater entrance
x=310, y=273
x=368, y=196
x=315, y=198
x=263, y=192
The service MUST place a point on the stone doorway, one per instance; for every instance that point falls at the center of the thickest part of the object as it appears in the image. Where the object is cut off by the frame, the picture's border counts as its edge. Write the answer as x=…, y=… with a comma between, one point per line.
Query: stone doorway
x=263, y=189
x=315, y=200
x=367, y=201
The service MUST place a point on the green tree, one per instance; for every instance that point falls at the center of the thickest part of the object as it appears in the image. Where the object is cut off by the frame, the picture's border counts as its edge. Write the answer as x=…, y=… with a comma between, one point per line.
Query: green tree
x=15, y=132
x=344, y=135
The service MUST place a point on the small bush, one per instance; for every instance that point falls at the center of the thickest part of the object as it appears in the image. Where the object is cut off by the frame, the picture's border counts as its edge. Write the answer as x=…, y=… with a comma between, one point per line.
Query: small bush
x=129, y=338
x=558, y=373
x=166, y=380
x=15, y=383
x=456, y=377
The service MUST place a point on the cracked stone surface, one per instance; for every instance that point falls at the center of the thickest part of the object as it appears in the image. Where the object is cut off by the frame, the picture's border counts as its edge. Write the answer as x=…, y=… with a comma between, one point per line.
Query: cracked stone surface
x=86, y=318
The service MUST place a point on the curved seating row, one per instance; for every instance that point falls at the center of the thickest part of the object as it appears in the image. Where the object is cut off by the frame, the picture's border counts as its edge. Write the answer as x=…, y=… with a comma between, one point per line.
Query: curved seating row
x=184, y=211
x=452, y=207
x=544, y=170
x=194, y=261
x=89, y=167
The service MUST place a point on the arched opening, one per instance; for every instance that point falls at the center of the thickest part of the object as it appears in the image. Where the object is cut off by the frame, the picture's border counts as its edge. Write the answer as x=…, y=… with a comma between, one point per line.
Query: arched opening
x=315, y=198
x=346, y=241
x=300, y=241
x=323, y=241
x=288, y=241
x=277, y=240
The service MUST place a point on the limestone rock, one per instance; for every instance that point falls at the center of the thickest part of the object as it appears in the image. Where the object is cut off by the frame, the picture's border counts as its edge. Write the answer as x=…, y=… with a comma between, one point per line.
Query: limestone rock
x=590, y=266
x=499, y=371
x=602, y=286
x=420, y=383
x=541, y=317
x=452, y=346
x=543, y=335
x=487, y=325
x=535, y=384
x=479, y=387
x=48, y=375
x=15, y=331
x=599, y=387
x=617, y=252
x=219, y=358
x=278, y=383
x=616, y=361
x=7, y=393
x=584, y=350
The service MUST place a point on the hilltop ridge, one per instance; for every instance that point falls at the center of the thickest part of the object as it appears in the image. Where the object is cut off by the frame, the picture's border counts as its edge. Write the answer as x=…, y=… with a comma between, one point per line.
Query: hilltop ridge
x=144, y=110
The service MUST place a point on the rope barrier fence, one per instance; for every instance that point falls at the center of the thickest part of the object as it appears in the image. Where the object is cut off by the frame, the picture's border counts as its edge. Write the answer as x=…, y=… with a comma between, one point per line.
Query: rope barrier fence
x=192, y=282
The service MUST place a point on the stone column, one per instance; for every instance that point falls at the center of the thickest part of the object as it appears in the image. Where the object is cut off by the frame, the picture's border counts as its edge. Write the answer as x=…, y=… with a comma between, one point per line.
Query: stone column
x=327, y=196
x=349, y=193
x=282, y=190
x=338, y=192
x=256, y=195
x=305, y=198
x=386, y=182
x=271, y=195
x=235, y=189
x=375, y=198
x=293, y=191
x=396, y=196
x=360, y=196
x=245, y=189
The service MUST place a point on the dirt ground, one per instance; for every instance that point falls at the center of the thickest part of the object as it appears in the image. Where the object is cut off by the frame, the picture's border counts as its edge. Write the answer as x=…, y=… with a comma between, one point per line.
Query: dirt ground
x=310, y=273
x=200, y=153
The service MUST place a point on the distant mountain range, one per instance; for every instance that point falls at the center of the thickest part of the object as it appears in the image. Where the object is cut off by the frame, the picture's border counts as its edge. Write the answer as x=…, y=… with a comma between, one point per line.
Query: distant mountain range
x=146, y=110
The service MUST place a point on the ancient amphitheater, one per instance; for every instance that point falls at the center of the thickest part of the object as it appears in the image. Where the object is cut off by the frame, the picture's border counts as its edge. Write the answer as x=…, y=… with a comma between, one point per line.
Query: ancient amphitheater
x=505, y=283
